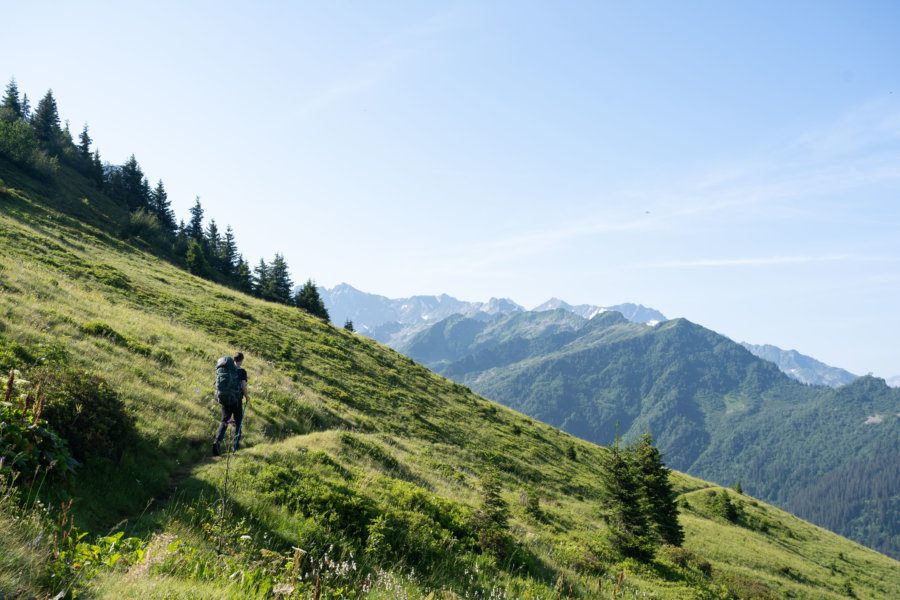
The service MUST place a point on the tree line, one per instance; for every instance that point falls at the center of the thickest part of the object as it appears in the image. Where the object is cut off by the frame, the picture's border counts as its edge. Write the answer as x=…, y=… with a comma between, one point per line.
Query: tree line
x=37, y=141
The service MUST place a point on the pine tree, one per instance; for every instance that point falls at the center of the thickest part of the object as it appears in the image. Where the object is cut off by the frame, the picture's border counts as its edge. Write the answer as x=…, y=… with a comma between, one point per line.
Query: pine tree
x=213, y=241
x=243, y=276
x=96, y=170
x=159, y=201
x=280, y=281
x=623, y=505
x=195, y=227
x=46, y=123
x=26, y=108
x=307, y=298
x=84, y=143
x=127, y=186
x=261, y=279
x=348, y=325
x=492, y=519
x=11, y=108
x=660, y=496
x=228, y=255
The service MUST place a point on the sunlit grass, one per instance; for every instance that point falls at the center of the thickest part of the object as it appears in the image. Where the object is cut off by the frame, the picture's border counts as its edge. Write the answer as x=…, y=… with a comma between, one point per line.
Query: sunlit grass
x=416, y=440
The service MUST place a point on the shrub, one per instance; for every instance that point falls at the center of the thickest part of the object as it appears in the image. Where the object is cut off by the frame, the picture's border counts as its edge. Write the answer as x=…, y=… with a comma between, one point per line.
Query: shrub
x=86, y=411
x=100, y=329
x=27, y=443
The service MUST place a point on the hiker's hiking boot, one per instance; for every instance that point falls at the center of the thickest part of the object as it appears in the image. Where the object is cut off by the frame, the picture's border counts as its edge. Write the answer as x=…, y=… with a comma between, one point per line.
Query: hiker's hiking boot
x=216, y=448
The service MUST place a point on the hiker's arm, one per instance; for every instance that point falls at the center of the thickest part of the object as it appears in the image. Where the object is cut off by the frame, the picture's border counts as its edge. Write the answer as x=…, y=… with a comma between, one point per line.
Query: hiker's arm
x=244, y=389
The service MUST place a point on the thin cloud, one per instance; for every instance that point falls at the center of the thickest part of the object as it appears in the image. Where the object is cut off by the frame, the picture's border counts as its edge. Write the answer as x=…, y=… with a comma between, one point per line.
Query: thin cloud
x=758, y=261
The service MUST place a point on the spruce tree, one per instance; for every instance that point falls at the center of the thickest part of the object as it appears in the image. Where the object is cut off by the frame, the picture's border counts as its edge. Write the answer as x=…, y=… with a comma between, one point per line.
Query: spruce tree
x=623, y=506
x=213, y=241
x=492, y=519
x=348, y=325
x=26, y=108
x=243, y=276
x=307, y=298
x=46, y=123
x=261, y=279
x=11, y=108
x=195, y=226
x=161, y=206
x=228, y=255
x=84, y=143
x=660, y=497
x=280, y=280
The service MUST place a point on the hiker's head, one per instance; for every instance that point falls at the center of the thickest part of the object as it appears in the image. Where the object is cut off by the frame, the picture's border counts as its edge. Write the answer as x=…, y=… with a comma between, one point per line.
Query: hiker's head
x=238, y=358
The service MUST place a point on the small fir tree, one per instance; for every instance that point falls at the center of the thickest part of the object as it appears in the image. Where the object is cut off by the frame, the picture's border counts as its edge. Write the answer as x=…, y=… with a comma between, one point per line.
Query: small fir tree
x=492, y=518
x=623, y=506
x=11, y=108
x=195, y=225
x=661, y=501
x=308, y=299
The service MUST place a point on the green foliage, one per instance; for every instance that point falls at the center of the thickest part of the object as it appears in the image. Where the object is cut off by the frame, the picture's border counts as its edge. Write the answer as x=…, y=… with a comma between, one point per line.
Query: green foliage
x=389, y=511
x=87, y=412
x=75, y=562
x=27, y=444
x=719, y=412
x=722, y=505
x=660, y=499
x=623, y=505
x=491, y=522
x=307, y=298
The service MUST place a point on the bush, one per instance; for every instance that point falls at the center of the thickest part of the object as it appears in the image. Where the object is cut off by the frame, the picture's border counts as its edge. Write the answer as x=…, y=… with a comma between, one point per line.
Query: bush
x=27, y=443
x=86, y=411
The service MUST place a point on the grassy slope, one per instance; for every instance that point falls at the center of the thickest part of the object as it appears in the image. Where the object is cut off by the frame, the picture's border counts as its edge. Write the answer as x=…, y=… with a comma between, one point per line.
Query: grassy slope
x=337, y=412
x=717, y=411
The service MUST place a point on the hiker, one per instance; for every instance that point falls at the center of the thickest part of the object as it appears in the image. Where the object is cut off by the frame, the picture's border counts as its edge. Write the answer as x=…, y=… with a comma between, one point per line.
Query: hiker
x=231, y=389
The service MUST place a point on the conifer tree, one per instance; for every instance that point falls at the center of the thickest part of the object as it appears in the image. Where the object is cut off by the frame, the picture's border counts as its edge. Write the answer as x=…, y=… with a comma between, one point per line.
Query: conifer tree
x=213, y=241
x=84, y=143
x=280, y=281
x=96, y=171
x=46, y=123
x=243, y=276
x=660, y=497
x=195, y=226
x=348, y=325
x=228, y=255
x=261, y=279
x=11, y=108
x=161, y=206
x=623, y=504
x=26, y=108
x=307, y=298
x=492, y=519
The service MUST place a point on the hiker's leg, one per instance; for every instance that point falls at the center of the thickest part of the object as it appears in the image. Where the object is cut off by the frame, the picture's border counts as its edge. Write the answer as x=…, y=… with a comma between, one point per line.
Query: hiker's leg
x=238, y=422
x=223, y=424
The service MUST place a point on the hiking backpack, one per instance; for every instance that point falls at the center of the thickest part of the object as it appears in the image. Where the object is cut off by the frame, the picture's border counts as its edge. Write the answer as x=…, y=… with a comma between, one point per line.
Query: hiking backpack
x=228, y=381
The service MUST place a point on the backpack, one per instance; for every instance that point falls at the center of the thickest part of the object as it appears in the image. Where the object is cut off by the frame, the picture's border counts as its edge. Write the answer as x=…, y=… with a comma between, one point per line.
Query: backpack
x=228, y=381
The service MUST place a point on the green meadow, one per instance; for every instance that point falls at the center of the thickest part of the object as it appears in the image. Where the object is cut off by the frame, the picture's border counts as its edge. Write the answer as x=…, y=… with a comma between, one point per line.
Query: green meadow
x=360, y=473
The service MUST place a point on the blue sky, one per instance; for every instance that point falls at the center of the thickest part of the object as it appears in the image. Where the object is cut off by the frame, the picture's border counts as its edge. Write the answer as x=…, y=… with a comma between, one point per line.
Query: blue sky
x=737, y=164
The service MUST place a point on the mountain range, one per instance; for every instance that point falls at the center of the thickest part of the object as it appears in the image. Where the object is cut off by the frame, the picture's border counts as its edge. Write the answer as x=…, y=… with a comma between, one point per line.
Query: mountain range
x=832, y=455
x=395, y=321
x=711, y=402
x=360, y=473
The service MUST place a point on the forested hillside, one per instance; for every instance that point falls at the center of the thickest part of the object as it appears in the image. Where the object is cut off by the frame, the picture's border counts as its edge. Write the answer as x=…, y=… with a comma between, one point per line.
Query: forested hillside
x=716, y=410
x=361, y=473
